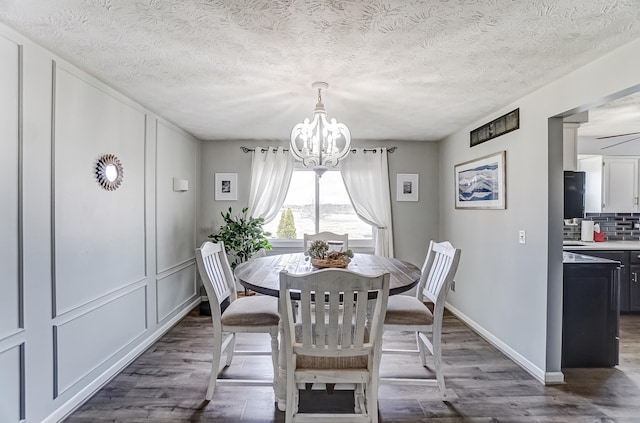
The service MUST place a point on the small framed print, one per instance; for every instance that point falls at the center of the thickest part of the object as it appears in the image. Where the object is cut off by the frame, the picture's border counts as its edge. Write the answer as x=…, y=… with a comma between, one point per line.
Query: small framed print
x=407, y=187
x=226, y=186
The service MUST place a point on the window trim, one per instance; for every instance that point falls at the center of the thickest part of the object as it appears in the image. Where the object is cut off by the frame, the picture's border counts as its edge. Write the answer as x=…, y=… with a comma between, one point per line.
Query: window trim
x=357, y=245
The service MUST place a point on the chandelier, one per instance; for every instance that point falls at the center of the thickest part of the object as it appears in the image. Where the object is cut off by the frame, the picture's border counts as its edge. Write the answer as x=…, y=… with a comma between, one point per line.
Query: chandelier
x=320, y=144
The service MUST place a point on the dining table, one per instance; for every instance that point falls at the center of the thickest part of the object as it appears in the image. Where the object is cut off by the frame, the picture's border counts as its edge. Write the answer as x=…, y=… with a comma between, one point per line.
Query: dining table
x=262, y=275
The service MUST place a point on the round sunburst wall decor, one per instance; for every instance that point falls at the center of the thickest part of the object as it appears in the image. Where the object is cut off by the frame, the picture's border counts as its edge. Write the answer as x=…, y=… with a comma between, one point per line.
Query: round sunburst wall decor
x=109, y=172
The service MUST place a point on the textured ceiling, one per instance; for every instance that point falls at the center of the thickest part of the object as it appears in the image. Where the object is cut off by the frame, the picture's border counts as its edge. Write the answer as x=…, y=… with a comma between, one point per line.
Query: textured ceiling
x=613, y=129
x=620, y=116
x=406, y=70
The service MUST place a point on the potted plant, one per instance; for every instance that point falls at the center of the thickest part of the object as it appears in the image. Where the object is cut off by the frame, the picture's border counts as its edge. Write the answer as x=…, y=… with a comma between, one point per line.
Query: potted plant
x=243, y=236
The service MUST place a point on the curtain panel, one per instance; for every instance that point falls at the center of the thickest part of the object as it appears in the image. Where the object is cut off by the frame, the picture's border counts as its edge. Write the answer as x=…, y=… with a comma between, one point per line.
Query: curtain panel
x=366, y=177
x=271, y=170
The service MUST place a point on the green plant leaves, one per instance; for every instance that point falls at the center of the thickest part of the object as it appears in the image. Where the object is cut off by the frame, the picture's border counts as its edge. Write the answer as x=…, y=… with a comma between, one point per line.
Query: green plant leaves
x=242, y=235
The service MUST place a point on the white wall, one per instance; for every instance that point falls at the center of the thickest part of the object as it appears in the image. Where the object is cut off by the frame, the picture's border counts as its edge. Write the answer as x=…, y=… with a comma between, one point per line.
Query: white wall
x=177, y=157
x=11, y=282
x=414, y=223
x=510, y=292
x=90, y=277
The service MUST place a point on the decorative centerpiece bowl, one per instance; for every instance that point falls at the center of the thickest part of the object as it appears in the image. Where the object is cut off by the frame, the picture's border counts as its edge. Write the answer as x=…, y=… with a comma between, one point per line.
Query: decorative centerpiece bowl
x=322, y=258
x=324, y=263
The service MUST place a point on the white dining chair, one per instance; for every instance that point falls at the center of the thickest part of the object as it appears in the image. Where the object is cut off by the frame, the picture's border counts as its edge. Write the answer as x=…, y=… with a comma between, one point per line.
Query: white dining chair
x=410, y=313
x=231, y=315
x=341, y=240
x=332, y=342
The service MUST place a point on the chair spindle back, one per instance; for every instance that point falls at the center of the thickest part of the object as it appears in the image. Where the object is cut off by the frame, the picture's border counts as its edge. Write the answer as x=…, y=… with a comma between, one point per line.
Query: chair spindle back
x=339, y=296
x=215, y=272
x=438, y=271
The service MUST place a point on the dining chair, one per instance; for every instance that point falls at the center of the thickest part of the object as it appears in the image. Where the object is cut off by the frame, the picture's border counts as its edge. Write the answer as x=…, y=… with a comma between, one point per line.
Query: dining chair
x=332, y=340
x=410, y=313
x=341, y=239
x=231, y=315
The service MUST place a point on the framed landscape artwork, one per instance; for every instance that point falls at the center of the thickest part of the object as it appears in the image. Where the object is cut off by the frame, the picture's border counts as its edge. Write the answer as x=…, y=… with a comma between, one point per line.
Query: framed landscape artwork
x=226, y=186
x=481, y=183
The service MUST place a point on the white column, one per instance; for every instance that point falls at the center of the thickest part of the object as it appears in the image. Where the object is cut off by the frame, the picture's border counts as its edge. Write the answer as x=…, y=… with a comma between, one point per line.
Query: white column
x=570, y=146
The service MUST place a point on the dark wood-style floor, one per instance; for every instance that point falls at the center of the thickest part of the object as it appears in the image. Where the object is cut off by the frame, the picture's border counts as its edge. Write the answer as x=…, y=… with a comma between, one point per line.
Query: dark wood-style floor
x=168, y=382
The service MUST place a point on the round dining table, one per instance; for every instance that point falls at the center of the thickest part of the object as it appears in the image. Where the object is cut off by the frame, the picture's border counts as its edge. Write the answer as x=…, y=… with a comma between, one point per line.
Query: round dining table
x=262, y=275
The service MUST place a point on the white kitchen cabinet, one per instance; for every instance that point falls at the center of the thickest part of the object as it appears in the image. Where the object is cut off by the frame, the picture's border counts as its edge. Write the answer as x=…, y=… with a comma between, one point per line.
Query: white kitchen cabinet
x=620, y=184
x=612, y=183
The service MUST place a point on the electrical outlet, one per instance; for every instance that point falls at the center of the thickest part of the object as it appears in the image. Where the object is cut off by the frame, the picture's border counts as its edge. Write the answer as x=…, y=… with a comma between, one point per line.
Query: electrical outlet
x=522, y=236
x=453, y=285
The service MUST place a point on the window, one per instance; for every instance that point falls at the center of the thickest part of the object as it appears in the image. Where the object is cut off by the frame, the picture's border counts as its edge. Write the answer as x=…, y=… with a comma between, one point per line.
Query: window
x=333, y=213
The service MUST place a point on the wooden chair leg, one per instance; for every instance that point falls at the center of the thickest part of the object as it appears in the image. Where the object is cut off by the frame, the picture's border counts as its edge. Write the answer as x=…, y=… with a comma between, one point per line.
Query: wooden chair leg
x=372, y=401
x=359, y=399
x=422, y=350
x=275, y=352
x=215, y=364
x=437, y=359
x=230, y=350
x=292, y=400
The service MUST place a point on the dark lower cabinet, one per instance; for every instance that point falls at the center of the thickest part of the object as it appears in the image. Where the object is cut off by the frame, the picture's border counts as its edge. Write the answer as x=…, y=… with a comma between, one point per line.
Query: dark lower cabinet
x=634, y=281
x=590, y=315
x=629, y=290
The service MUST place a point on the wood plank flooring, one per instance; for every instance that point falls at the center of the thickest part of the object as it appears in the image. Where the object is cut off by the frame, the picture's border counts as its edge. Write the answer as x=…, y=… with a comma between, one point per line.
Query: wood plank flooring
x=168, y=382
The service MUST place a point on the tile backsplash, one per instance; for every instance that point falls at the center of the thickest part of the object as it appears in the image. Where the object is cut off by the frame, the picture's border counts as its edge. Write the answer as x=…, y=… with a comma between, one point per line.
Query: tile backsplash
x=616, y=226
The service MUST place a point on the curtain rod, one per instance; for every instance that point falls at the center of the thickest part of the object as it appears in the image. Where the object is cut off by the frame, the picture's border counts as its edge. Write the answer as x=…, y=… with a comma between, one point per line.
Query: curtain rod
x=353, y=150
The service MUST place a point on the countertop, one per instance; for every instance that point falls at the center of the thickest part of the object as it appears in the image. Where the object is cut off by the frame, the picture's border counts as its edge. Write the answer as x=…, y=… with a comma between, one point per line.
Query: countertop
x=572, y=258
x=606, y=245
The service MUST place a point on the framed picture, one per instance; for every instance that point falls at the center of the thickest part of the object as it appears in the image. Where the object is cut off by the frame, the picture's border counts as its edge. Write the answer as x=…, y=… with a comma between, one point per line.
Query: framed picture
x=407, y=188
x=495, y=128
x=481, y=183
x=226, y=186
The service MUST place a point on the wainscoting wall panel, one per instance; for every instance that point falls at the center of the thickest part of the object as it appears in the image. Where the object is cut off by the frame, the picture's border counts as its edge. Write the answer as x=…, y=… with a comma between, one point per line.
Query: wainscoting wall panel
x=83, y=343
x=174, y=290
x=10, y=163
x=176, y=211
x=12, y=385
x=79, y=288
x=99, y=235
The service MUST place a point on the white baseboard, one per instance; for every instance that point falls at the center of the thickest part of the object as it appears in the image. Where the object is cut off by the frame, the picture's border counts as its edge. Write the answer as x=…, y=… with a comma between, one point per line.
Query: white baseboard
x=553, y=378
x=546, y=378
x=78, y=399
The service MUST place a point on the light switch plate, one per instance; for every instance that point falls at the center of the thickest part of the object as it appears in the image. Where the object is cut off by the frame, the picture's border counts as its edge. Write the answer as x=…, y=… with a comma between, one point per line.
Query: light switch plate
x=522, y=236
